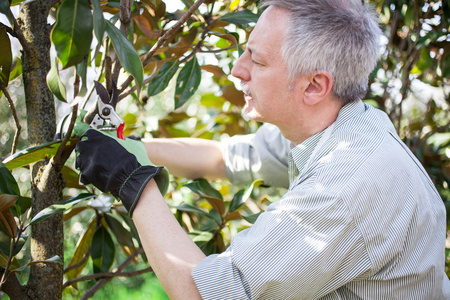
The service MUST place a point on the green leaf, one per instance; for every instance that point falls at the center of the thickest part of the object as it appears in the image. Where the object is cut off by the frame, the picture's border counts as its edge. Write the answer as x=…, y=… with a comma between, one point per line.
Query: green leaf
x=21, y=206
x=61, y=206
x=15, y=2
x=83, y=245
x=205, y=190
x=423, y=63
x=99, y=21
x=34, y=154
x=430, y=37
x=4, y=9
x=4, y=261
x=127, y=55
x=215, y=245
x=52, y=260
x=240, y=17
x=81, y=68
x=162, y=79
x=17, y=70
x=201, y=238
x=242, y=196
x=126, y=218
x=71, y=178
x=7, y=201
x=186, y=207
x=5, y=242
x=227, y=36
x=252, y=218
x=446, y=66
x=123, y=236
x=55, y=84
x=446, y=12
x=8, y=184
x=102, y=251
x=72, y=33
x=188, y=81
x=5, y=56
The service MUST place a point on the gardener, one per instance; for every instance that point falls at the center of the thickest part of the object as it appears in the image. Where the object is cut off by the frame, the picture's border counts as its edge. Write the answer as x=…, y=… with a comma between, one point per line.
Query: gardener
x=361, y=218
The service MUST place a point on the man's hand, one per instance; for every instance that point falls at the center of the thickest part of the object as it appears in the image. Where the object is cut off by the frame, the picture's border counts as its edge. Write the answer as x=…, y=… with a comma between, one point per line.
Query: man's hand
x=117, y=166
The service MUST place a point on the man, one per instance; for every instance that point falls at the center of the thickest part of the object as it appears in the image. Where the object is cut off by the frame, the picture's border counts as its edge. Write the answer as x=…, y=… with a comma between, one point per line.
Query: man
x=360, y=220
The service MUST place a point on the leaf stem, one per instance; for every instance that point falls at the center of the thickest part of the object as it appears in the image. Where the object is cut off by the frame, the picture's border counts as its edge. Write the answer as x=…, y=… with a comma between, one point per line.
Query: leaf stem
x=16, y=119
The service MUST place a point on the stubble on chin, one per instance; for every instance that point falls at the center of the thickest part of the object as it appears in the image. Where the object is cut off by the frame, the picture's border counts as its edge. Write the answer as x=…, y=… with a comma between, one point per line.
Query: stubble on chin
x=245, y=115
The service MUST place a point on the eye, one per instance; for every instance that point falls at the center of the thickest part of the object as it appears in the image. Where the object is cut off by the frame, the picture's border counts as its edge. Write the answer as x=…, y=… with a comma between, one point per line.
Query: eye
x=256, y=63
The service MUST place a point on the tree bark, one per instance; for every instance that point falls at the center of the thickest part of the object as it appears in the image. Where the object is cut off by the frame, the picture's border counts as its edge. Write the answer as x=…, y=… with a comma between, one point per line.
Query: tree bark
x=46, y=280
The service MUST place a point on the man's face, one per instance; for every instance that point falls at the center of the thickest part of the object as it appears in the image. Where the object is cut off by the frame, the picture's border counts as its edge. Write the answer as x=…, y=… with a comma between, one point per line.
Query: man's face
x=262, y=71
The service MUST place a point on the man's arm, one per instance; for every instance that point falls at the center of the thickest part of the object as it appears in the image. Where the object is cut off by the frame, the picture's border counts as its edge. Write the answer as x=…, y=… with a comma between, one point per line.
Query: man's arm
x=170, y=251
x=188, y=157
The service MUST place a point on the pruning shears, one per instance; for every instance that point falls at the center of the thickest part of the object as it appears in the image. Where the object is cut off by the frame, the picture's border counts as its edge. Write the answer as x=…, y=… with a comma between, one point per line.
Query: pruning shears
x=103, y=114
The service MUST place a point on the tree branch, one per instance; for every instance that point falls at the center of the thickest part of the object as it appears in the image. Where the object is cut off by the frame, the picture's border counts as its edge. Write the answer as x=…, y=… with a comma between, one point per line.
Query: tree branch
x=125, y=21
x=12, y=286
x=8, y=29
x=99, y=284
x=163, y=39
x=17, y=32
x=16, y=119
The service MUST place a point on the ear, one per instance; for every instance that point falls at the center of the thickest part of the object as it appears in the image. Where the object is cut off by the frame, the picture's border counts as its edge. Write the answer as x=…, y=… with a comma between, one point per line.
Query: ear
x=319, y=87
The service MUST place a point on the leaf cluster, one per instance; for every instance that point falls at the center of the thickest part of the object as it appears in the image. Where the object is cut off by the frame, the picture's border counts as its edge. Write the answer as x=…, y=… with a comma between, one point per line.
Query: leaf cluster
x=158, y=57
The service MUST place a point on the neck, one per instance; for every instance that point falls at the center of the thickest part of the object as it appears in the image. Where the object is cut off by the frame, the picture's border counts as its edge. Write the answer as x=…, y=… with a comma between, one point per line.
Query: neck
x=312, y=120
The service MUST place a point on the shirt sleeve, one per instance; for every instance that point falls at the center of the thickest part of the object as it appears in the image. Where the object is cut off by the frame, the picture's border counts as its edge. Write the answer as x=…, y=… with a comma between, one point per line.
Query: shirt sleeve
x=304, y=246
x=262, y=155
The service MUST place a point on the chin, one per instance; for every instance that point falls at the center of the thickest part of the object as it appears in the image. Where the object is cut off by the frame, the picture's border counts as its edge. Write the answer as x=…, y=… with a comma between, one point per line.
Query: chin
x=249, y=112
x=251, y=116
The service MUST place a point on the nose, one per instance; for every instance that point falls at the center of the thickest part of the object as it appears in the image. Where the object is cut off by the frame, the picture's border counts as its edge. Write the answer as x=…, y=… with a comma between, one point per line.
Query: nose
x=241, y=68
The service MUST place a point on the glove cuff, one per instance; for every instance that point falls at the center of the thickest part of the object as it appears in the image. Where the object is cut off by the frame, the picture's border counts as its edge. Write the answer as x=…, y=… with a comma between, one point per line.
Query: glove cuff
x=133, y=186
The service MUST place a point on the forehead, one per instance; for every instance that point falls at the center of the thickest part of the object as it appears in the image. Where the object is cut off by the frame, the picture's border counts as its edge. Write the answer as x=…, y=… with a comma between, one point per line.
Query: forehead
x=268, y=35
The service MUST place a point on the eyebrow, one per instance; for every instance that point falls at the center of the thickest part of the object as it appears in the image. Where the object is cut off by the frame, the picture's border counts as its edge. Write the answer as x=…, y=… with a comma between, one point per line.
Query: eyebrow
x=252, y=51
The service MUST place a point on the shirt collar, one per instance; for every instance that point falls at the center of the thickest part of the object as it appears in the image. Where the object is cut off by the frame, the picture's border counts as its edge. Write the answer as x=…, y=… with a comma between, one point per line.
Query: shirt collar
x=301, y=153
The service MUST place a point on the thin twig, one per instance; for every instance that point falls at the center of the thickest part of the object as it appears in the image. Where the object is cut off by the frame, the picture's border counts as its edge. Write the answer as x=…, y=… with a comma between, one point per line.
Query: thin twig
x=163, y=39
x=14, y=243
x=80, y=263
x=208, y=21
x=134, y=88
x=57, y=158
x=99, y=284
x=16, y=119
x=107, y=275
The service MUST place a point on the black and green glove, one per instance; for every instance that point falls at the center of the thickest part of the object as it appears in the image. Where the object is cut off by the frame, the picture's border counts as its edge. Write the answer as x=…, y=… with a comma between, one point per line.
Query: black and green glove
x=120, y=167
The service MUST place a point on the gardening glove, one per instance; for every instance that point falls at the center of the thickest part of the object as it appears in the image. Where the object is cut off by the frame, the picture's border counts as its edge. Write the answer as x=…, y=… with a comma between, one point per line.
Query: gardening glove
x=120, y=167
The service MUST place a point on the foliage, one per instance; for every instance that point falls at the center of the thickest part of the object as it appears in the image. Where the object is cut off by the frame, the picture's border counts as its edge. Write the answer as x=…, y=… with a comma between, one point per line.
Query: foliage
x=174, y=63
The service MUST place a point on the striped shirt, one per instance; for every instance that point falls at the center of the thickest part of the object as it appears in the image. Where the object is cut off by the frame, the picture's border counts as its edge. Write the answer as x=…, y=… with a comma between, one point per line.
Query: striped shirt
x=361, y=218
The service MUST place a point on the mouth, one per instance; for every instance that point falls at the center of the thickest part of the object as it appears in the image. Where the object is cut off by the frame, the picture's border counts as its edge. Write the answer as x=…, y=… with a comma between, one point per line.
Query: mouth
x=247, y=97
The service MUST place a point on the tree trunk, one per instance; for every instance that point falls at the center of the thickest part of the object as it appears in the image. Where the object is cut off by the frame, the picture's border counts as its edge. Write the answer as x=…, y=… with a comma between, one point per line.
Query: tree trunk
x=45, y=280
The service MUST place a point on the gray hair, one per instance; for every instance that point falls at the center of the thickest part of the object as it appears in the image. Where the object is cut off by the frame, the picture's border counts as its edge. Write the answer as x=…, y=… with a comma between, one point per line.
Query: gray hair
x=337, y=36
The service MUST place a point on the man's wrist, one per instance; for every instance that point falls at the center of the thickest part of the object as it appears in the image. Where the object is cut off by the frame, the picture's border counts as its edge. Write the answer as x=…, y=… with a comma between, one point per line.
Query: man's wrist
x=132, y=188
